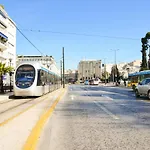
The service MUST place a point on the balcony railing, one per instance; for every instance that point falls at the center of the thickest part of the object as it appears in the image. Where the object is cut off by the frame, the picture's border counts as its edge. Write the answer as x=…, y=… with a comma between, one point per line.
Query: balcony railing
x=3, y=45
x=3, y=21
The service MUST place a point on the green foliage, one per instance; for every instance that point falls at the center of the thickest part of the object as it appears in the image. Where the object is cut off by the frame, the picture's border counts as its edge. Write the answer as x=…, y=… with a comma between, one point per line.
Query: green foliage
x=115, y=73
x=2, y=6
x=144, y=55
x=3, y=71
x=106, y=75
x=147, y=35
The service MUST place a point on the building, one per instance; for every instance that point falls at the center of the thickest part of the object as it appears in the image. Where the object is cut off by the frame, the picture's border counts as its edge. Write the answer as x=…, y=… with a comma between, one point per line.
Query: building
x=130, y=67
x=89, y=69
x=7, y=39
x=47, y=61
x=7, y=43
x=125, y=68
x=71, y=76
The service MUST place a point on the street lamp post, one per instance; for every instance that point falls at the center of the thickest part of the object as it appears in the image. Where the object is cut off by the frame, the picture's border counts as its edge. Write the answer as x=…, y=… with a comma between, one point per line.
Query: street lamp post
x=115, y=67
x=10, y=74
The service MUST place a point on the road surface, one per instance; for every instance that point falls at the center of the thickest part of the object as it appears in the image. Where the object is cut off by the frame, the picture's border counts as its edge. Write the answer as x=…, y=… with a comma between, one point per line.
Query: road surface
x=97, y=118
x=85, y=118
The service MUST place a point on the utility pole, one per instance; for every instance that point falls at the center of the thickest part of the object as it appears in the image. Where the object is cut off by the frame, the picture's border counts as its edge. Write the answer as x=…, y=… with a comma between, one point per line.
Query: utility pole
x=61, y=71
x=63, y=68
x=114, y=71
x=105, y=69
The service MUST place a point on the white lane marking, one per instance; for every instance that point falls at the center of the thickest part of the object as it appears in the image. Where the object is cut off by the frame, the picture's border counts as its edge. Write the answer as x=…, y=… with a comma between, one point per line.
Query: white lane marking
x=106, y=111
x=109, y=98
x=72, y=97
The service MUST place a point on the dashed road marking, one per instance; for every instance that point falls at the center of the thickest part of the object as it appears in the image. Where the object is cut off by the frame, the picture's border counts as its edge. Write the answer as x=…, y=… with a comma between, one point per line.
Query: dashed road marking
x=107, y=111
x=72, y=97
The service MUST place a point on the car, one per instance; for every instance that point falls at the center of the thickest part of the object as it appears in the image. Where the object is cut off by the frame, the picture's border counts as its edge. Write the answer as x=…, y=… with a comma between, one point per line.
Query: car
x=143, y=88
x=86, y=82
x=91, y=82
x=96, y=81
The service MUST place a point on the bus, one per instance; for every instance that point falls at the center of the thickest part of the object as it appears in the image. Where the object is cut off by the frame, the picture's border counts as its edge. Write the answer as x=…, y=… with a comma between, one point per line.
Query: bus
x=135, y=78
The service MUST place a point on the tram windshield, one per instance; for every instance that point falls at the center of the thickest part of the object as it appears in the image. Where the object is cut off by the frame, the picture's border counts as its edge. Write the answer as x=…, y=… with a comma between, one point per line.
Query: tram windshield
x=25, y=75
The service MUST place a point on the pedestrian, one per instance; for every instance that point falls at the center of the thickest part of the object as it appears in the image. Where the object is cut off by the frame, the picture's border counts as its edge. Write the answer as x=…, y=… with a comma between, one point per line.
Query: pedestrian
x=124, y=82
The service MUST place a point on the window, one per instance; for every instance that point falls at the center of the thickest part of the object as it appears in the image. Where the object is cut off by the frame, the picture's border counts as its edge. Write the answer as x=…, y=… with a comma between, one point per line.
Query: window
x=10, y=34
x=2, y=25
x=10, y=44
x=143, y=82
x=147, y=81
x=2, y=14
x=25, y=76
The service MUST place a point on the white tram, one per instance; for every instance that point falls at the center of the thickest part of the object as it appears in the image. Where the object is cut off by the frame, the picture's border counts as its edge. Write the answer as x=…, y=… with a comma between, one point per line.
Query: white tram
x=33, y=79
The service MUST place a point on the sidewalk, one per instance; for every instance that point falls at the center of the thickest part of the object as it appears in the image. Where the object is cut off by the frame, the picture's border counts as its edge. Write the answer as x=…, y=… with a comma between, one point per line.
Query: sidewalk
x=111, y=84
x=107, y=84
x=6, y=95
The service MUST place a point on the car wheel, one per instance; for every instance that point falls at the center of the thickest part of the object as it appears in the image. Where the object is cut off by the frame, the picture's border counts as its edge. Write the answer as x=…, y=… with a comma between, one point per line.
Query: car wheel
x=137, y=93
x=133, y=87
x=148, y=94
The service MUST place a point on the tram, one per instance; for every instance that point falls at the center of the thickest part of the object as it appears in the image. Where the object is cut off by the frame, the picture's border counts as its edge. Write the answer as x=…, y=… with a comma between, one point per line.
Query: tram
x=34, y=79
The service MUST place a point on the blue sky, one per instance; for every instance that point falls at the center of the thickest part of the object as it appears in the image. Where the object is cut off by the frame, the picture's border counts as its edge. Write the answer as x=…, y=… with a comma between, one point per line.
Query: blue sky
x=114, y=18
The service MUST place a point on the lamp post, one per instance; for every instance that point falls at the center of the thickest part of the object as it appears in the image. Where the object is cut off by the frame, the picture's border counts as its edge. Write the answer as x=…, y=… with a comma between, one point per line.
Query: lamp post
x=10, y=74
x=114, y=75
x=128, y=69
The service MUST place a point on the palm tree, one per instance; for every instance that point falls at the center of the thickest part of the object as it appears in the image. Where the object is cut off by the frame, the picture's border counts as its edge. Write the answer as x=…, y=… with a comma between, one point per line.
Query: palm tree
x=3, y=71
x=143, y=51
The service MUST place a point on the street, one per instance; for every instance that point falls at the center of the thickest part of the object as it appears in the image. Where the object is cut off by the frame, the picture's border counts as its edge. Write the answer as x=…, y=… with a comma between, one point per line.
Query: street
x=95, y=118
x=85, y=118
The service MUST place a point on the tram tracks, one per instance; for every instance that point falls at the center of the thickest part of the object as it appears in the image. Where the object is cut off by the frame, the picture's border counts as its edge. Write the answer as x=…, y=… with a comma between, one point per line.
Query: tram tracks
x=3, y=102
x=15, y=106
x=15, y=115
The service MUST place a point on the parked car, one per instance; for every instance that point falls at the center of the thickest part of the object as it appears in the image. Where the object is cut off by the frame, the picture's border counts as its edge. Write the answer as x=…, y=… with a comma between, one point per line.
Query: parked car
x=86, y=82
x=143, y=88
x=91, y=82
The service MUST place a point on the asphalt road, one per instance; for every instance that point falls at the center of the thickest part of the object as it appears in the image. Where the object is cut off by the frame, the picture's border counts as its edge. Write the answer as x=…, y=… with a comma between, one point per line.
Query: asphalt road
x=97, y=118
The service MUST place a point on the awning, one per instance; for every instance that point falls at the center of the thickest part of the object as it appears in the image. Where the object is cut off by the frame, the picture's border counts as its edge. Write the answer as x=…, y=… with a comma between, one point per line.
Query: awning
x=3, y=35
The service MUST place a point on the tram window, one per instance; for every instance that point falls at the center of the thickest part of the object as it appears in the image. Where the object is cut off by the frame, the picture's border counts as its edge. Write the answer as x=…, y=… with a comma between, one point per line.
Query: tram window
x=39, y=81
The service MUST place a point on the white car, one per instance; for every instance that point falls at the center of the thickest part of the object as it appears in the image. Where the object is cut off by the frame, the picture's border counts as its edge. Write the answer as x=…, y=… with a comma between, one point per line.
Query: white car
x=143, y=88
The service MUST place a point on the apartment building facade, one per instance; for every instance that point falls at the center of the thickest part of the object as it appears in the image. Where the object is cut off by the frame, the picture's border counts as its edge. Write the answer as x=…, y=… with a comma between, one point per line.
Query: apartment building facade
x=89, y=69
x=7, y=39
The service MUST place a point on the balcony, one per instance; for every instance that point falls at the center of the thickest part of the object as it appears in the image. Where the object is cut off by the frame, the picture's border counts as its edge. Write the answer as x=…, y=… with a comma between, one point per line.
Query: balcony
x=3, y=45
x=3, y=22
x=3, y=41
x=3, y=57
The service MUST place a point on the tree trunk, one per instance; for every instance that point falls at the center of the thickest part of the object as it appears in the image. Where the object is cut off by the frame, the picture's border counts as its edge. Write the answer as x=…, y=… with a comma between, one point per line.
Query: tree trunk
x=2, y=87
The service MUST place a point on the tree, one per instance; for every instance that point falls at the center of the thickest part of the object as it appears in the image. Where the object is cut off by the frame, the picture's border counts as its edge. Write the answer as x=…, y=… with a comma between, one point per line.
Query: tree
x=115, y=74
x=105, y=75
x=144, y=49
x=147, y=36
x=3, y=71
x=2, y=6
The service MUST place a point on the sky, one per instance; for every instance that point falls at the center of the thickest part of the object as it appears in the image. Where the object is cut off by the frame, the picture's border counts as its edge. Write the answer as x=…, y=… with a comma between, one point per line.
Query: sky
x=87, y=29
